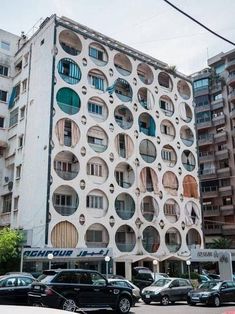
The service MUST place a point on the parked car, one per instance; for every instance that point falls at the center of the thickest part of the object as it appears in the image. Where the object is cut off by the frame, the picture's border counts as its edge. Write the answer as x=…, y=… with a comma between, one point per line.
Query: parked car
x=73, y=289
x=167, y=290
x=213, y=276
x=9, y=309
x=20, y=273
x=142, y=277
x=127, y=283
x=203, y=278
x=213, y=293
x=14, y=289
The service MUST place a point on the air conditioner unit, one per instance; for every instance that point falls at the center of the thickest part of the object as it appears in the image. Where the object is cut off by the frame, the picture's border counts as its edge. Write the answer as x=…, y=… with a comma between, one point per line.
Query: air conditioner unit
x=10, y=185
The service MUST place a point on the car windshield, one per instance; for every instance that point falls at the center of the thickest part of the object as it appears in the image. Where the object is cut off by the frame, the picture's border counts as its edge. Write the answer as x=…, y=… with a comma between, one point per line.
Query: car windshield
x=44, y=278
x=210, y=285
x=161, y=282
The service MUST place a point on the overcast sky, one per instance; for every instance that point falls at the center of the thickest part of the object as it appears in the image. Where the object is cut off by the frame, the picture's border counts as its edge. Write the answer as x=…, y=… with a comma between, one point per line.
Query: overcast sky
x=151, y=26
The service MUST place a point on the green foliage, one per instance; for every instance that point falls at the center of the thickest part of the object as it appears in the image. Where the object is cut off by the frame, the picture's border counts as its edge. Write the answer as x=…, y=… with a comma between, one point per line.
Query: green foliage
x=222, y=243
x=10, y=244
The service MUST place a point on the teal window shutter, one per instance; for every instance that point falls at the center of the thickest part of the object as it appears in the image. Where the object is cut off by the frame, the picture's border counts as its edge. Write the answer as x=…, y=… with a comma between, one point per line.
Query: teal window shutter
x=12, y=98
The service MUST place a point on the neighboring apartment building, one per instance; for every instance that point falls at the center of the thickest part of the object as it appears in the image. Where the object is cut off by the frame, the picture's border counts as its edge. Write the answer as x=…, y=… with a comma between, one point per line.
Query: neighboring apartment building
x=214, y=92
x=99, y=155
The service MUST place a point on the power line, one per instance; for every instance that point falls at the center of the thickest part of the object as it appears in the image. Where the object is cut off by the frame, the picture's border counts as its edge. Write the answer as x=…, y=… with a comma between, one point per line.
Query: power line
x=199, y=23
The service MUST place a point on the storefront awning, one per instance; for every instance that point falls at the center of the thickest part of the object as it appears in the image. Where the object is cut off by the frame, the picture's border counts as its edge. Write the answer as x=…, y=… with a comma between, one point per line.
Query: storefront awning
x=134, y=258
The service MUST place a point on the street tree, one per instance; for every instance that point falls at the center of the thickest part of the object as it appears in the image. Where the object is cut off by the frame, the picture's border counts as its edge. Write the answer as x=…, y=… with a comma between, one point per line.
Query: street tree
x=10, y=246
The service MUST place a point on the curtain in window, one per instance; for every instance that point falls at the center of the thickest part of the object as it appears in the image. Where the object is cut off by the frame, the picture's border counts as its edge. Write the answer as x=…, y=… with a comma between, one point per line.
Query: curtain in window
x=117, y=140
x=64, y=235
x=150, y=100
x=151, y=127
x=68, y=100
x=59, y=131
x=73, y=75
x=98, y=82
x=75, y=134
x=183, y=113
x=190, y=206
x=12, y=98
x=190, y=187
x=143, y=180
x=154, y=181
x=128, y=146
x=170, y=183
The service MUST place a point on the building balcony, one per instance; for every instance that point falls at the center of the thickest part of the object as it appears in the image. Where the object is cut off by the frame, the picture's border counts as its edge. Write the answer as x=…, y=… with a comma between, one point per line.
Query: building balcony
x=96, y=244
x=206, y=156
x=202, y=108
x=231, y=80
x=210, y=229
x=211, y=211
x=227, y=210
x=209, y=191
x=125, y=213
x=230, y=65
x=225, y=190
x=220, y=137
x=222, y=154
x=215, y=87
x=231, y=96
x=99, y=148
x=66, y=175
x=173, y=248
x=207, y=174
x=187, y=166
x=148, y=158
x=224, y=172
x=124, y=124
x=207, y=139
x=204, y=90
x=219, y=120
x=228, y=229
x=217, y=104
x=204, y=123
x=125, y=247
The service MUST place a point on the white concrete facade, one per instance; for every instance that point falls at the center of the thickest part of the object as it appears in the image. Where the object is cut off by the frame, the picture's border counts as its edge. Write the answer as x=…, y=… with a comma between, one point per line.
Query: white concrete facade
x=85, y=179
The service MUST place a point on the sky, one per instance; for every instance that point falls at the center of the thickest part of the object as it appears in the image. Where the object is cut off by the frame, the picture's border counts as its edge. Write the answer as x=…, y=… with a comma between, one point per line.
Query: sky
x=150, y=26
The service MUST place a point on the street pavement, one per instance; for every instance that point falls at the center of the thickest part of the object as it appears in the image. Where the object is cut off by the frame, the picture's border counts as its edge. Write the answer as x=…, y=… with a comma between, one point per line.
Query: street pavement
x=178, y=308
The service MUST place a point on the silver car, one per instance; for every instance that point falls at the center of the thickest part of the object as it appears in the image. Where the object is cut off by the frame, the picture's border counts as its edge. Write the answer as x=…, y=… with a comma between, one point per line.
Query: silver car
x=167, y=290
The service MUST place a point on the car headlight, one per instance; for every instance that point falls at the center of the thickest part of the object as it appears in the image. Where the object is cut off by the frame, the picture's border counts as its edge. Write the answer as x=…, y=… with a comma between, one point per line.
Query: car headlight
x=156, y=292
x=205, y=294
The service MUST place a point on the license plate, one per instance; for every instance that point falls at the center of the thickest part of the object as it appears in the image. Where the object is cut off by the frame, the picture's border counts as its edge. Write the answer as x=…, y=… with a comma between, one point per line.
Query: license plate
x=195, y=298
x=147, y=296
x=37, y=287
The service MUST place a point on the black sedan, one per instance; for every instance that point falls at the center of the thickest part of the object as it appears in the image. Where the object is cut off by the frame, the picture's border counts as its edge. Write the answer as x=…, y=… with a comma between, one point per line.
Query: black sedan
x=14, y=289
x=213, y=293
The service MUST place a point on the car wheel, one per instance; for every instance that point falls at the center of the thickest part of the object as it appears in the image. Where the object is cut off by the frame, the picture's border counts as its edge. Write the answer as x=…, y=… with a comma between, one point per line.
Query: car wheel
x=190, y=302
x=69, y=304
x=147, y=301
x=165, y=300
x=123, y=305
x=216, y=301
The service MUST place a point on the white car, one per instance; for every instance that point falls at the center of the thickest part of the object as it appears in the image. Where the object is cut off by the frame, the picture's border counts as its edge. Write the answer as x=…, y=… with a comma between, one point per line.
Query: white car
x=9, y=309
x=129, y=284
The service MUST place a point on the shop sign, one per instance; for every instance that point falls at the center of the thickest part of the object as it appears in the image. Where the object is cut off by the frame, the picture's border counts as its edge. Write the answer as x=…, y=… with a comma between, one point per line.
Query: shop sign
x=210, y=255
x=37, y=253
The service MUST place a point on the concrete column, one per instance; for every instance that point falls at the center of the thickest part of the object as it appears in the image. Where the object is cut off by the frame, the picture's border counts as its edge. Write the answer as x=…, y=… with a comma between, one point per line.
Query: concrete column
x=114, y=268
x=128, y=273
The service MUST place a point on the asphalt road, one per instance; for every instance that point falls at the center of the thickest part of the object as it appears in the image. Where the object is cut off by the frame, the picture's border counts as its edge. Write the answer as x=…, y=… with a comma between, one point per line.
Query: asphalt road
x=179, y=308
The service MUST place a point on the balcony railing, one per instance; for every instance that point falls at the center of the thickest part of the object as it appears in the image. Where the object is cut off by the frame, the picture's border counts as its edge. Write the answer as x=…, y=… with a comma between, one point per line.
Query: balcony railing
x=212, y=229
x=167, y=112
x=207, y=171
x=125, y=247
x=66, y=175
x=148, y=158
x=124, y=124
x=99, y=148
x=208, y=189
x=65, y=210
x=189, y=167
x=96, y=244
x=187, y=141
x=205, y=139
x=125, y=213
x=69, y=49
x=173, y=247
x=122, y=70
x=124, y=184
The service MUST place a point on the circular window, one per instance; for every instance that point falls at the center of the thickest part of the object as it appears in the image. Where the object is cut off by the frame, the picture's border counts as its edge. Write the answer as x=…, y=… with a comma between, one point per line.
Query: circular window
x=123, y=90
x=124, y=175
x=149, y=208
x=148, y=180
x=151, y=239
x=186, y=135
x=69, y=71
x=169, y=155
x=97, y=109
x=188, y=160
x=170, y=183
x=98, y=54
x=124, y=206
x=97, y=139
x=167, y=130
x=147, y=124
x=97, y=236
x=64, y=235
x=171, y=210
x=67, y=132
x=145, y=73
x=173, y=240
x=122, y=64
x=97, y=80
x=125, y=238
x=97, y=170
x=68, y=100
x=123, y=117
x=66, y=165
x=183, y=89
x=166, y=105
x=97, y=203
x=185, y=112
x=165, y=81
x=124, y=145
x=147, y=151
x=193, y=239
x=145, y=98
x=70, y=42
x=65, y=200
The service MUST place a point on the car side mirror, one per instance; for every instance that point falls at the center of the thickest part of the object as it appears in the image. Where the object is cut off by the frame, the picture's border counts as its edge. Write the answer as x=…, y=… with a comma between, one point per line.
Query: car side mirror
x=222, y=288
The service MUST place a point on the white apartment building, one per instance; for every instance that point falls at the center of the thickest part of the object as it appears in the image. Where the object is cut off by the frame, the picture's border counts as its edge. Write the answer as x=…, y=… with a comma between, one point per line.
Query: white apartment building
x=98, y=151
